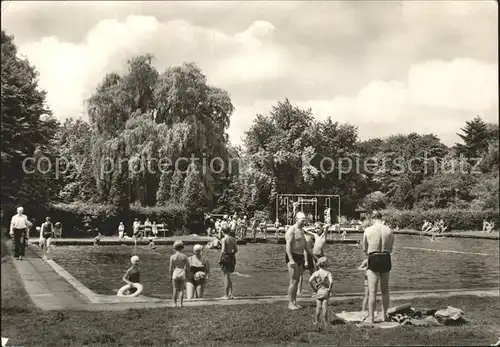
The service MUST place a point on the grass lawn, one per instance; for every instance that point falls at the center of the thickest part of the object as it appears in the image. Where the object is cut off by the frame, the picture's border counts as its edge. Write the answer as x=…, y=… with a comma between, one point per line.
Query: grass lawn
x=237, y=325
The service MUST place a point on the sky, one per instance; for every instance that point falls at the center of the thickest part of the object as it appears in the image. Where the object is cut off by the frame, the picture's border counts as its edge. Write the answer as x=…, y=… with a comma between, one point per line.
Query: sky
x=386, y=67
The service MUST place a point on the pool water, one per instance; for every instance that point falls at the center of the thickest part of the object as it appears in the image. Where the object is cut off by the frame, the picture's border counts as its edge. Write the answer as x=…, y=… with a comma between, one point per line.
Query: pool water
x=424, y=265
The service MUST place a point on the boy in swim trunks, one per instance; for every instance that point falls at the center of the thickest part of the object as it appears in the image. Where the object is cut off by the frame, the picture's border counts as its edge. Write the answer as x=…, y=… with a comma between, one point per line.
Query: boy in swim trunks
x=179, y=265
x=321, y=282
x=132, y=275
x=227, y=261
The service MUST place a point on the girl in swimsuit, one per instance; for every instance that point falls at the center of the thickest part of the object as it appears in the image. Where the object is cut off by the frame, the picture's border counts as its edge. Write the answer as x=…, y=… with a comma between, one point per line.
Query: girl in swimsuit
x=132, y=275
x=227, y=261
x=178, y=268
x=197, y=264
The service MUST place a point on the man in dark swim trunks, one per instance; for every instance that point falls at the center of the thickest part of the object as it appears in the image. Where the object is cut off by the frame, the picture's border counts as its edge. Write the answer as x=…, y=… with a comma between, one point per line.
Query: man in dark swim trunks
x=295, y=246
x=378, y=241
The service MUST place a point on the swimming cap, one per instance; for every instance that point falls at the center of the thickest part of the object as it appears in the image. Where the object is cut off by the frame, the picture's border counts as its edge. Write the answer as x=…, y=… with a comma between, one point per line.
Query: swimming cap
x=134, y=259
x=300, y=215
x=178, y=244
x=197, y=248
x=323, y=261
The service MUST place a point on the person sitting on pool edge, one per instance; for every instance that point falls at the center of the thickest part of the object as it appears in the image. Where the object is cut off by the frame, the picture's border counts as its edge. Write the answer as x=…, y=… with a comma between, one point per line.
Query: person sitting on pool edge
x=319, y=239
x=132, y=275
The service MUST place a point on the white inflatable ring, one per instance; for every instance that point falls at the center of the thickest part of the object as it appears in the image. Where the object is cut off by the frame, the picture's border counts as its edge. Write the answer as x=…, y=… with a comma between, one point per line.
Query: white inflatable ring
x=138, y=292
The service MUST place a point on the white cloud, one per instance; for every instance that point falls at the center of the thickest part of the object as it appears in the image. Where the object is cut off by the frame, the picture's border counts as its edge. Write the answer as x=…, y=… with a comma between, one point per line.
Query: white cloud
x=437, y=96
x=70, y=72
x=462, y=84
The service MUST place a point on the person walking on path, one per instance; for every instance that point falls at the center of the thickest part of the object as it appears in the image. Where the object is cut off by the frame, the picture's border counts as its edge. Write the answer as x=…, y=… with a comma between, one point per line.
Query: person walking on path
x=378, y=241
x=121, y=230
x=19, y=225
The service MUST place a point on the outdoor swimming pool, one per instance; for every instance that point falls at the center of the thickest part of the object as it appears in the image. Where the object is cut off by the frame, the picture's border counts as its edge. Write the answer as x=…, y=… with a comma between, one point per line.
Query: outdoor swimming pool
x=418, y=264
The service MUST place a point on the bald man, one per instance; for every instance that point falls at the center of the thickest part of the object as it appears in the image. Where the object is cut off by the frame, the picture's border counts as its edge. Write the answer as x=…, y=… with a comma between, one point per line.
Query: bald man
x=295, y=246
x=378, y=241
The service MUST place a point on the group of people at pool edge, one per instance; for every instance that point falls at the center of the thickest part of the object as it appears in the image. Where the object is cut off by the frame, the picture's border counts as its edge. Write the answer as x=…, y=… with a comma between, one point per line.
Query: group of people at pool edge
x=192, y=273
x=378, y=241
x=304, y=250
x=20, y=228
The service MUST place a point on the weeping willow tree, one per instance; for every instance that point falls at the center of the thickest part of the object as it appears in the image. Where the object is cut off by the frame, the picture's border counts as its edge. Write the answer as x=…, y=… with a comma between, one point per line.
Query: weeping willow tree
x=159, y=118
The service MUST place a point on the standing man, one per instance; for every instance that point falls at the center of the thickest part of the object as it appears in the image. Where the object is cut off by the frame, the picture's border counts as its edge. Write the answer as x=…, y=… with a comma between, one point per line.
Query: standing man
x=19, y=225
x=295, y=246
x=378, y=241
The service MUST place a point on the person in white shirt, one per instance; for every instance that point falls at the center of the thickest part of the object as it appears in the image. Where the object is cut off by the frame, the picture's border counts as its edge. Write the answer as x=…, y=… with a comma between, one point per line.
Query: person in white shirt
x=121, y=230
x=19, y=225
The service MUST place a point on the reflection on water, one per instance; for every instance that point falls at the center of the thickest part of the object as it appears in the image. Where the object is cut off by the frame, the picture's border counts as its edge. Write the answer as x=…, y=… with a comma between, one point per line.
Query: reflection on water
x=101, y=268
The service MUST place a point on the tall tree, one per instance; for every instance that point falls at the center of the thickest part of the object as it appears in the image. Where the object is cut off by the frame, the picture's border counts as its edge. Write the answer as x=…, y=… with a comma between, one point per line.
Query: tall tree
x=475, y=136
x=193, y=198
x=163, y=193
x=26, y=121
x=175, y=114
x=176, y=186
x=119, y=189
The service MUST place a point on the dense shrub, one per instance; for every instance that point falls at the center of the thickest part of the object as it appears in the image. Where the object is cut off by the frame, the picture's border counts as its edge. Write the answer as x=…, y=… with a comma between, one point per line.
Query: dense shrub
x=455, y=218
x=84, y=220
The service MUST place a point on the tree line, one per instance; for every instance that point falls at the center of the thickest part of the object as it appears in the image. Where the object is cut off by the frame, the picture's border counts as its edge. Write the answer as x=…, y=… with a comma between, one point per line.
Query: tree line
x=144, y=115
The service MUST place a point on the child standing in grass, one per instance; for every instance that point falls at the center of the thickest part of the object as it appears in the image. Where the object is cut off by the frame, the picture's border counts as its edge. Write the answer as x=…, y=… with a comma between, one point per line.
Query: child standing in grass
x=321, y=282
x=179, y=265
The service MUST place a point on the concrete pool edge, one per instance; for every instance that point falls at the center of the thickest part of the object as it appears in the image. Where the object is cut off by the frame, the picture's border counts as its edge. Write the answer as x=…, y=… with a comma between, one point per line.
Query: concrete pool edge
x=111, y=302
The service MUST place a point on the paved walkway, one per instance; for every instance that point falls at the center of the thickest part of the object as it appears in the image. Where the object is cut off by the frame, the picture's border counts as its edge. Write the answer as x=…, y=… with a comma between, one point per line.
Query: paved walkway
x=51, y=287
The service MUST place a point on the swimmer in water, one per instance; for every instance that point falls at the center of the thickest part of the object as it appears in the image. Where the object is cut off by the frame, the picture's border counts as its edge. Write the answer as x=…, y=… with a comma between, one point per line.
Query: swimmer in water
x=179, y=265
x=295, y=246
x=132, y=275
x=152, y=244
